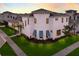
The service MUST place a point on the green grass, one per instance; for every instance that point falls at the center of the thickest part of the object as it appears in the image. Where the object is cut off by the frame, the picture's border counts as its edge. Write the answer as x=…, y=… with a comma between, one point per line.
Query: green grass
x=40, y=49
x=74, y=53
x=9, y=31
x=6, y=50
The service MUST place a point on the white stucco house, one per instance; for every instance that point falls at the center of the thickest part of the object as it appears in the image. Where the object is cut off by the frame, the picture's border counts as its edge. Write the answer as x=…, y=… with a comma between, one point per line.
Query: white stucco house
x=43, y=24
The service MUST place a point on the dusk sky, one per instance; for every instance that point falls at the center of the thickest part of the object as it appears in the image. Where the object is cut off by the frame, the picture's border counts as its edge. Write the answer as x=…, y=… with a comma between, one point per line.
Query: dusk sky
x=28, y=7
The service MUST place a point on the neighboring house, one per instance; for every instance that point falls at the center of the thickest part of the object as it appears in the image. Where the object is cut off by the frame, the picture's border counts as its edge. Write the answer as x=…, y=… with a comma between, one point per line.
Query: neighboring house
x=73, y=20
x=12, y=19
x=43, y=24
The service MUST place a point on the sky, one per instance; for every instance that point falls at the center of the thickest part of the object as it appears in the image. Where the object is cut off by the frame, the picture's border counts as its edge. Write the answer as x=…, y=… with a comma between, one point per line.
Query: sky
x=28, y=7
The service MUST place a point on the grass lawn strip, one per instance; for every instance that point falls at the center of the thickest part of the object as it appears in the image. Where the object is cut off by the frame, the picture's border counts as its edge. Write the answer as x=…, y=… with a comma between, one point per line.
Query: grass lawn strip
x=74, y=53
x=6, y=50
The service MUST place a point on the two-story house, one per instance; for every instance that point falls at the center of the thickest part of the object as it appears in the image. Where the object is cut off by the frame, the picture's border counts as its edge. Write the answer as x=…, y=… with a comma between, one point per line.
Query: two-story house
x=43, y=24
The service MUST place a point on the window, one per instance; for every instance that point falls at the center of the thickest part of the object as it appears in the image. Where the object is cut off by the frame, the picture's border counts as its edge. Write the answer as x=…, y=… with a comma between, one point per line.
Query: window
x=58, y=32
x=51, y=30
x=13, y=17
x=47, y=21
x=77, y=17
x=74, y=17
x=35, y=33
x=7, y=16
x=28, y=21
x=56, y=19
x=35, y=20
x=62, y=20
x=41, y=34
x=70, y=17
x=47, y=34
x=25, y=22
x=66, y=19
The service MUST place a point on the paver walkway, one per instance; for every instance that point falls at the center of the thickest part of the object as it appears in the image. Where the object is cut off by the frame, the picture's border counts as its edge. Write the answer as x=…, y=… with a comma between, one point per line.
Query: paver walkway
x=12, y=44
x=67, y=50
x=2, y=26
x=15, y=35
x=2, y=42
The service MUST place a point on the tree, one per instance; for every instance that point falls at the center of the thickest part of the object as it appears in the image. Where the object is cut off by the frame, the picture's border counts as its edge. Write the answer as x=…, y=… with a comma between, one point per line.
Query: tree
x=67, y=30
x=5, y=23
x=20, y=26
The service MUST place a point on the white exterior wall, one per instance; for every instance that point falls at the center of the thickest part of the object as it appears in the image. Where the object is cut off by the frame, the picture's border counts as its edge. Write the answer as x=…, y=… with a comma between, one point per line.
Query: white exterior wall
x=77, y=28
x=58, y=25
x=41, y=25
x=26, y=29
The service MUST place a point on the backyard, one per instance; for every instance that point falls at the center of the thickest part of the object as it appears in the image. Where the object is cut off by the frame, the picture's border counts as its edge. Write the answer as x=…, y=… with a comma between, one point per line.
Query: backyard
x=39, y=49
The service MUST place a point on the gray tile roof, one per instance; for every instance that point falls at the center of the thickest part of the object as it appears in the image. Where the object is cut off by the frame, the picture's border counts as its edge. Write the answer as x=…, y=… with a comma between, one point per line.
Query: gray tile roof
x=42, y=11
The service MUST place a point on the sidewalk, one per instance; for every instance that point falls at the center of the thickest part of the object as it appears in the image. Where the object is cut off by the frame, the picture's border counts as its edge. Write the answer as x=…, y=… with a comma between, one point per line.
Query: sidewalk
x=67, y=50
x=2, y=26
x=12, y=44
x=15, y=35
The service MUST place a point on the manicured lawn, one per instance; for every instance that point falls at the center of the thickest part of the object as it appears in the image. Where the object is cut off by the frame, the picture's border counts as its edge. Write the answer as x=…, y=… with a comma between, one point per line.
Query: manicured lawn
x=9, y=31
x=6, y=50
x=38, y=49
x=42, y=49
x=74, y=53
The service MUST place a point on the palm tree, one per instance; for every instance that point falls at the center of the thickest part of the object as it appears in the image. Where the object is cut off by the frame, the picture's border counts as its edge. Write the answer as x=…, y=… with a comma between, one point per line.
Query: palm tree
x=20, y=27
x=67, y=30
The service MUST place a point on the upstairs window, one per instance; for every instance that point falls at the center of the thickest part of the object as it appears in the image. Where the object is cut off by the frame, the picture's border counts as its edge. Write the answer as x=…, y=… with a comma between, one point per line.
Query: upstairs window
x=66, y=19
x=25, y=22
x=28, y=20
x=35, y=21
x=56, y=19
x=77, y=17
x=7, y=16
x=47, y=21
x=62, y=20
x=11, y=16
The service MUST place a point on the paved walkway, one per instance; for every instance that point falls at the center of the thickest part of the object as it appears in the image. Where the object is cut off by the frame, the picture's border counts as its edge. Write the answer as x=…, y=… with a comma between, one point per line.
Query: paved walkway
x=67, y=50
x=2, y=41
x=12, y=44
x=2, y=26
x=15, y=35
